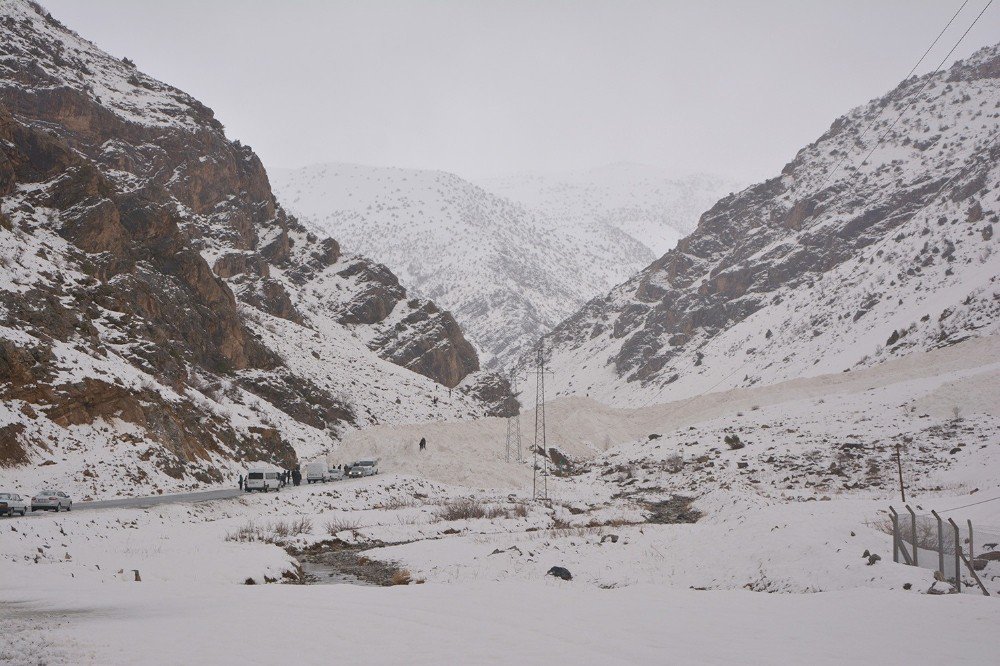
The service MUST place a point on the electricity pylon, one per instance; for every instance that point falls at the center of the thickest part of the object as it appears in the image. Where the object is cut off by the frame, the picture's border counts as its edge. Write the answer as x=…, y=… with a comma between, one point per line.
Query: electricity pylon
x=514, y=423
x=540, y=445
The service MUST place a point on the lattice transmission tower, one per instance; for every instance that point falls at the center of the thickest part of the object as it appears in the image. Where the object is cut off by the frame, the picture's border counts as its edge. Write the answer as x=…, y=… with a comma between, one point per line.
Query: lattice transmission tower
x=540, y=445
x=514, y=424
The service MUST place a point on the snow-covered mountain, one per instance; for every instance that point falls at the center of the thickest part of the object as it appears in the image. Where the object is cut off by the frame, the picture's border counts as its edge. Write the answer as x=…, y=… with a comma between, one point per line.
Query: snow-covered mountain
x=843, y=260
x=162, y=319
x=645, y=202
x=509, y=271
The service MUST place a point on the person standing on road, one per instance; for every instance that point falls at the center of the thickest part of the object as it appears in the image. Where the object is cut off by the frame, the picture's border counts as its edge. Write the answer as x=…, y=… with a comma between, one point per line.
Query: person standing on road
x=241, y=483
x=423, y=443
x=296, y=477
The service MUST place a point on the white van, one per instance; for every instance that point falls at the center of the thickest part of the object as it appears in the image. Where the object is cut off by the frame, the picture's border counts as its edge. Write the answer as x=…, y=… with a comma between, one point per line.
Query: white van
x=363, y=468
x=262, y=479
x=315, y=471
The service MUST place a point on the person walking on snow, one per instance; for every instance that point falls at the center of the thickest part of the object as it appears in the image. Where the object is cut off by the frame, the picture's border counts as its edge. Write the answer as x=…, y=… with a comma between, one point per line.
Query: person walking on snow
x=423, y=443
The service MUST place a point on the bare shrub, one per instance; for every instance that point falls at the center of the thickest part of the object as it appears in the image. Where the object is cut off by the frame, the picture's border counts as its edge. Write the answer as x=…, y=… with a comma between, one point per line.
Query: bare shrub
x=341, y=524
x=926, y=531
x=560, y=523
x=274, y=532
x=394, y=503
x=520, y=511
x=497, y=511
x=301, y=525
x=674, y=463
x=580, y=531
x=733, y=442
x=611, y=522
x=249, y=533
x=401, y=577
x=464, y=509
x=281, y=529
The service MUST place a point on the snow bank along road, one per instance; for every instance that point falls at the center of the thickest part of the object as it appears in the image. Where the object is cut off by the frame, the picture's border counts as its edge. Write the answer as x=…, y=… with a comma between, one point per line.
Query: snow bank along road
x=791, y=511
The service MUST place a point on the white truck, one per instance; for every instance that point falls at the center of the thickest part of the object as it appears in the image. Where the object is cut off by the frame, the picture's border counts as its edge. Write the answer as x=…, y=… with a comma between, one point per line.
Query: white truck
x=262, y=479
x=315, y=471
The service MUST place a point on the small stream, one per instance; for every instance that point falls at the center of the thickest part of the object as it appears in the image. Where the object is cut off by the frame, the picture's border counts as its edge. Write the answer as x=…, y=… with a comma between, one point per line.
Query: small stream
x=337, y=563
x=319, y=573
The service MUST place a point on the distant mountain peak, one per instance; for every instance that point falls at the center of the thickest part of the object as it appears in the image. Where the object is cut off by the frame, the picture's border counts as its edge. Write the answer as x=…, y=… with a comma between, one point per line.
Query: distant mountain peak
x=509, y=267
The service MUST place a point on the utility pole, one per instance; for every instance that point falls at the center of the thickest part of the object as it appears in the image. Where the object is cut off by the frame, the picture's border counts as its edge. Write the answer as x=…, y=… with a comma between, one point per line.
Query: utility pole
x=514, y=424
x=899, y=467
x=540, y=444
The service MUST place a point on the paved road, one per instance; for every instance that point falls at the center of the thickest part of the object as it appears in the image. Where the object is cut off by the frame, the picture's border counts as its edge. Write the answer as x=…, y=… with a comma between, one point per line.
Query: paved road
x=146, y=502
x=153, y=500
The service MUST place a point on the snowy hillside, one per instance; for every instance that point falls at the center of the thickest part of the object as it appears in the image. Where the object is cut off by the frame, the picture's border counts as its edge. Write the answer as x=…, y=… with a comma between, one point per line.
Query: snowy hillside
x=820, y=269
x=658, y=517
x=646, y=203
x=508, y=271
x=162, y=321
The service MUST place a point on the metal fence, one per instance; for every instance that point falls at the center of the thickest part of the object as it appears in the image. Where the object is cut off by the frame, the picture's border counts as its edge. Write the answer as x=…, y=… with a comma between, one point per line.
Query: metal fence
x=956, y=550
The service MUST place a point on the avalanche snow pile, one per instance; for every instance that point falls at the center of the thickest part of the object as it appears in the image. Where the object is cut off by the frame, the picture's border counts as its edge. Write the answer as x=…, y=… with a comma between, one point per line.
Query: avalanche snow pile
x=861, y=250
x=162, y=317
x=509, y=268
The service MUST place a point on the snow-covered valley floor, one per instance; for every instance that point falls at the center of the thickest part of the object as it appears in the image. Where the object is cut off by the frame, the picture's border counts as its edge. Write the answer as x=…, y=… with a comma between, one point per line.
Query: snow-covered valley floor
x=793, y=510
x=491, y=623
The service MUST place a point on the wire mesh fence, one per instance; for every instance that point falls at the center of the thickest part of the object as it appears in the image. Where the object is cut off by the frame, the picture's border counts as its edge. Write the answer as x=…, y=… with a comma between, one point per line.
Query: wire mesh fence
x=964, y=553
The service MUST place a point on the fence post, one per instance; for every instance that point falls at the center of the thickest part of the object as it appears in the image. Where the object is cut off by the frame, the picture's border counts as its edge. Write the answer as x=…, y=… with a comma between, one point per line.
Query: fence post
x=940, y=542
x=958, y=556
x=913, y=534
x=975, y=576
x=895, y=534
x=972, y=552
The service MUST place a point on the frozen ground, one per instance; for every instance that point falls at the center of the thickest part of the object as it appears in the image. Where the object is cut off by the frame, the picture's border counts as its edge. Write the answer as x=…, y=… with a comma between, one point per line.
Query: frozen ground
x=491, y=623
x=792, y=512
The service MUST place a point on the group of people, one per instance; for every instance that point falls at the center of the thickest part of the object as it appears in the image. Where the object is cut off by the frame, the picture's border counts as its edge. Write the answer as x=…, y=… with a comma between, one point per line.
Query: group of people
x=293, y=476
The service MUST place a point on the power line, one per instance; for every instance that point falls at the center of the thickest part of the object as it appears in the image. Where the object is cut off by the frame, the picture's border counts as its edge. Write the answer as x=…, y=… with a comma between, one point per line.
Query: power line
x=927, y=81
x=871, y=249
x=947, y=25
x=877, y=143
x=965, y=506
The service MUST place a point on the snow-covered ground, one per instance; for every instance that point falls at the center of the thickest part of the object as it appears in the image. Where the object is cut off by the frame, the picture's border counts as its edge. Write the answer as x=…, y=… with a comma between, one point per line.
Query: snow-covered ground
x=793, y=511
x=490, y=623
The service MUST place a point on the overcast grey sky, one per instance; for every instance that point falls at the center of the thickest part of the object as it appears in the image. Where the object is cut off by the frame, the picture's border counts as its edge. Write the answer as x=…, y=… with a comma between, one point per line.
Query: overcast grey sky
x=484, y=88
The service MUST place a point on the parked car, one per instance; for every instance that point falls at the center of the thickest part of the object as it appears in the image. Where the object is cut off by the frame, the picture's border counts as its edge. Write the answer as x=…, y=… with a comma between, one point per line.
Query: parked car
x=335, y=473
x=51, y=500
x=315, y=472
x=11, y=503
x=363, y=468
x=263, y=479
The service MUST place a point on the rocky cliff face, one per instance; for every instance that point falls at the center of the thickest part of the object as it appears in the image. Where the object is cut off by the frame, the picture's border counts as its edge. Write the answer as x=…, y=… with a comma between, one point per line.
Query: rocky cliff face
x=510, y=267
x=820, y=269
x=154, y=292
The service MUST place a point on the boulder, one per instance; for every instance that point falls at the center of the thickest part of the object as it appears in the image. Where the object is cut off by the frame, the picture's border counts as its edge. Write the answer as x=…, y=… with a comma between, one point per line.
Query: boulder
x=560, y=572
